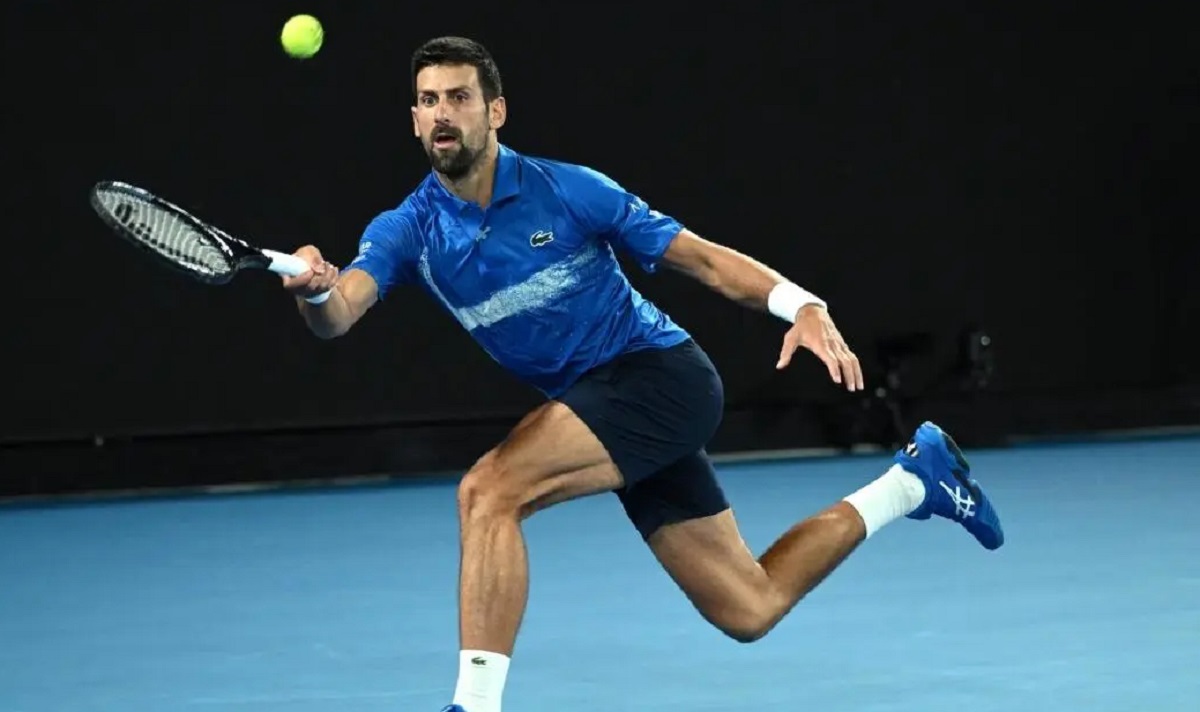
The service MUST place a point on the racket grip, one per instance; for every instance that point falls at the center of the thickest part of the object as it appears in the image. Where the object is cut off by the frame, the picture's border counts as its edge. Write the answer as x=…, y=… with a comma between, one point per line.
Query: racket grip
x=292, y=266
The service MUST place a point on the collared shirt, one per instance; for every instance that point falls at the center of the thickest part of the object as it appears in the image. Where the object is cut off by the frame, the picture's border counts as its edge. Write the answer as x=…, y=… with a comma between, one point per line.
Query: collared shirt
x=533, y=277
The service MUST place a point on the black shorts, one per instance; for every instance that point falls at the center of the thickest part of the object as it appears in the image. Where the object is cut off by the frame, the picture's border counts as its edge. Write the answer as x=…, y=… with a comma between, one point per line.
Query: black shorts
x=654, y=410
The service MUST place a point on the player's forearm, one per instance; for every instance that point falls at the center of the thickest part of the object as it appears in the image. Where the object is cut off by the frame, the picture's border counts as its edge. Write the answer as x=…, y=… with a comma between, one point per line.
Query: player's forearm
x=331, y=318
x=752, y=284
x=740, y=277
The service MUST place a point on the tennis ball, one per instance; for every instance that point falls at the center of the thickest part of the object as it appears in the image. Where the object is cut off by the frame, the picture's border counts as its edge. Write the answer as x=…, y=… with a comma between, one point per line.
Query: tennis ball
x=302, y=36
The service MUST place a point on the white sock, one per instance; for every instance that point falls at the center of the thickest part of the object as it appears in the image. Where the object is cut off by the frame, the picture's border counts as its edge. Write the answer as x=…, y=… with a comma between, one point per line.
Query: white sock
x=895, y=494
x=481, y=677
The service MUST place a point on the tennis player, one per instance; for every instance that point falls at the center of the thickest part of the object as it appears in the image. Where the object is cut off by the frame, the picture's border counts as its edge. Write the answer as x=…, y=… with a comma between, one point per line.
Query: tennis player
x=522, y=252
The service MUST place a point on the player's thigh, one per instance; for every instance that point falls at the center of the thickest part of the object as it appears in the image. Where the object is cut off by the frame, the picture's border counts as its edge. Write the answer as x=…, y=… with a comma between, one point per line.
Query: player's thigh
x=551, y=439
x=618, y=424
x=710, y=562
x=686, y=520
x=549, y=456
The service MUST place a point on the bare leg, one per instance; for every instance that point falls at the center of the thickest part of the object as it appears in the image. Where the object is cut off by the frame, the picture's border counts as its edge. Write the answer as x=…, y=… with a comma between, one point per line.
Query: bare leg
x=808, y=552
x=494, y=565
x=493, y=581
x=550, y=457
x=740, y=595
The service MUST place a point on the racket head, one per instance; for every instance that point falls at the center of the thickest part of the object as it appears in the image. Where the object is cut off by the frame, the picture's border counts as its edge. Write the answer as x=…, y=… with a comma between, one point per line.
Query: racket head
x=171, y=234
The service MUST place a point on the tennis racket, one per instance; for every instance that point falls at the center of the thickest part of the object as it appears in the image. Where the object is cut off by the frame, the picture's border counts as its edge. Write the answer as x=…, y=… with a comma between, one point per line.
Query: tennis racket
x=184, y=242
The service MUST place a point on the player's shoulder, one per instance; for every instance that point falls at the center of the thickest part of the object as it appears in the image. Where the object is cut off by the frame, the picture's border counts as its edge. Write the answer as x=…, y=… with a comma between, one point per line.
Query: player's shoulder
x=565, y=177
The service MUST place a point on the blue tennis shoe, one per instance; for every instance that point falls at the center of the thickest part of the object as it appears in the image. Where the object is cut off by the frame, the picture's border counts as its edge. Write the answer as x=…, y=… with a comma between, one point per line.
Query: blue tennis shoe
x=933, y=456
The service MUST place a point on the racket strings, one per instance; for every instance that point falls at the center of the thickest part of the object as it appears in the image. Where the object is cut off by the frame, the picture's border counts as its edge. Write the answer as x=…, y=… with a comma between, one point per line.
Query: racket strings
x=167, y=234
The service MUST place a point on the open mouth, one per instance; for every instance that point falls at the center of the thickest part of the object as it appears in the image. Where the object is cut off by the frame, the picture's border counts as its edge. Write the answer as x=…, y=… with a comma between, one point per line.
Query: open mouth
x=444, y=139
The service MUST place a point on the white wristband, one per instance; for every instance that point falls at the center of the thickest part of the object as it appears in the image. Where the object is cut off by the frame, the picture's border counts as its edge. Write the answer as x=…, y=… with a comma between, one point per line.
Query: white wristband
x=317, y=298
x=786, y=299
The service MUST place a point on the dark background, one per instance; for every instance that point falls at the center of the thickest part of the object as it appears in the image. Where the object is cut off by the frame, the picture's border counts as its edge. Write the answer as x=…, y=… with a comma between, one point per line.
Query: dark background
x=1024, y=170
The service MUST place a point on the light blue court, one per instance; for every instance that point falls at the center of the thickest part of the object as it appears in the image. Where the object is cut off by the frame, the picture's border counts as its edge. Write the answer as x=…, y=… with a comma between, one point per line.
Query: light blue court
x=344, y=600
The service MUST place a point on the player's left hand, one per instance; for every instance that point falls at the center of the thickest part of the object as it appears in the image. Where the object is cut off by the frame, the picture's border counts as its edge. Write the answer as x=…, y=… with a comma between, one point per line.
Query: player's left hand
x=815, y=331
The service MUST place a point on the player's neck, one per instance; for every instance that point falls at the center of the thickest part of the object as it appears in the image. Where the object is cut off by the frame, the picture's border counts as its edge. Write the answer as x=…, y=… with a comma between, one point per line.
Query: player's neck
x=476, y=186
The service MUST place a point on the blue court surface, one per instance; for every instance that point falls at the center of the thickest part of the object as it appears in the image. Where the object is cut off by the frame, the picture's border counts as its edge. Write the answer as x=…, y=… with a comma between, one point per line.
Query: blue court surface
x=345, y=600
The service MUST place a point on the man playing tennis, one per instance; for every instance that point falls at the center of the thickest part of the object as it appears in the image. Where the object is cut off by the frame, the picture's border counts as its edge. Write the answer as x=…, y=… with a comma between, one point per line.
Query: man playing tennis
x=520, y=251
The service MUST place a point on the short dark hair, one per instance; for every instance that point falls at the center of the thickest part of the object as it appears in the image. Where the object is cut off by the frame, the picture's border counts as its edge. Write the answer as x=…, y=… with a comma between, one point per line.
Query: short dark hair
x=459, y=50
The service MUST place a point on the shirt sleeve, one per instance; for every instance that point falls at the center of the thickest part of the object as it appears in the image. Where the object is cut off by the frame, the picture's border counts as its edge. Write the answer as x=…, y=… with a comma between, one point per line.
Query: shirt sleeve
x=620, y=217
x=389, y=249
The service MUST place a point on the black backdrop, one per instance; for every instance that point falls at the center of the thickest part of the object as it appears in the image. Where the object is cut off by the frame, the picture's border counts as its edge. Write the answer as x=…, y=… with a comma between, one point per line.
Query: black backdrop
x=924, y=166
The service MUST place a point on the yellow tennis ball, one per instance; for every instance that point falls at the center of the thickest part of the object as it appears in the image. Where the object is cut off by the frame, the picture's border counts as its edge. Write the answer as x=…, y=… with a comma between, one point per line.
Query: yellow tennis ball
x=302, y=36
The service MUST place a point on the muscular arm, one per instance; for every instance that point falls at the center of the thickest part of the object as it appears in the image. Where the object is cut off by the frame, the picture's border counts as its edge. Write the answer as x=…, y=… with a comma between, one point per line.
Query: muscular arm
x=753, y=284
x=642, y=232
x=724, y=270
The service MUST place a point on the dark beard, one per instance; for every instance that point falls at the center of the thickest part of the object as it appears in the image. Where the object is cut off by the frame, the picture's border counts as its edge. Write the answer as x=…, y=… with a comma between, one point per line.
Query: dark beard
x=453, y=164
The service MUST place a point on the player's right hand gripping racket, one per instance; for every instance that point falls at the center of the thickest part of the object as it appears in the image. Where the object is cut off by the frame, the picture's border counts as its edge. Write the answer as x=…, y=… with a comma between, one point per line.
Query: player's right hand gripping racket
x=183, y=241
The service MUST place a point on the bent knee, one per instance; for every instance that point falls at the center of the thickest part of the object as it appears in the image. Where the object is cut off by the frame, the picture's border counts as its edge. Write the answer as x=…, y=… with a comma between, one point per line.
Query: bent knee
x=748, y=621
x=485, y=491
x=747, y=629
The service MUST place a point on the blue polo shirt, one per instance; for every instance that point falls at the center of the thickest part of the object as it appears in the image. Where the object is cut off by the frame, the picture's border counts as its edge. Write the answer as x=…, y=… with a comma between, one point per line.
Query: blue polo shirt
x=534, y=277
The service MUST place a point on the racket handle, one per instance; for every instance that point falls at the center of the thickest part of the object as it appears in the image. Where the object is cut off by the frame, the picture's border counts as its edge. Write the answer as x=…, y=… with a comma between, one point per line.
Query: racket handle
x=292, y=266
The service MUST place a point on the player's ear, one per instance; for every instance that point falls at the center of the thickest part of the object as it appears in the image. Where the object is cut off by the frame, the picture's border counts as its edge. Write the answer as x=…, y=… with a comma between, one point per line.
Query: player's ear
x=416, y=129
x=497, y=112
